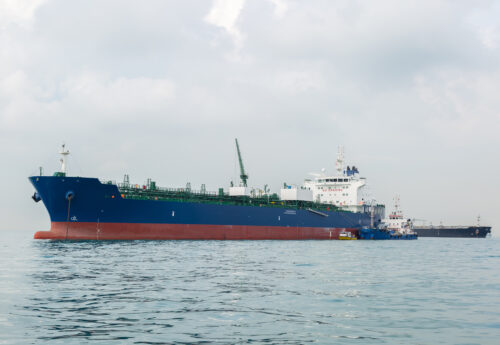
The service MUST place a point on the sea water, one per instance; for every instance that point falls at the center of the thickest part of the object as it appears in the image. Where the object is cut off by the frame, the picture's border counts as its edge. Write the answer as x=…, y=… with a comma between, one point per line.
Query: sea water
x=428, y=291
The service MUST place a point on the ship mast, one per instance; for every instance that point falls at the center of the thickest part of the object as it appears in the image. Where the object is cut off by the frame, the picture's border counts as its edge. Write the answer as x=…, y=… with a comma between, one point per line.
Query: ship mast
x=340, y=160
x=372, y=214
x=64, y=153
x=397, y=213
x=243, y=175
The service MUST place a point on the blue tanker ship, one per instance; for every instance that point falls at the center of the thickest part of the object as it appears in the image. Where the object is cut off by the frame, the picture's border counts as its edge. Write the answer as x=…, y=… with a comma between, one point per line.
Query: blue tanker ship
x=86, y=208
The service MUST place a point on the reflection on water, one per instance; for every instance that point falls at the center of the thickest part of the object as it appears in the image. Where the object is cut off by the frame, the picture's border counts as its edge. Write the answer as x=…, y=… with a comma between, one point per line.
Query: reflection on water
x=279, y=292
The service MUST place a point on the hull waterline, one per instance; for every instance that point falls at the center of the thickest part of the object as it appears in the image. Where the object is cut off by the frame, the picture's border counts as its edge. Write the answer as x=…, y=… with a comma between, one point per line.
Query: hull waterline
x=133, y=231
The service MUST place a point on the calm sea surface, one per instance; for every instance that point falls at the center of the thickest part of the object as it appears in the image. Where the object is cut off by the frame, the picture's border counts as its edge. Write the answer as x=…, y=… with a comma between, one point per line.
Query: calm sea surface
x=429, y=291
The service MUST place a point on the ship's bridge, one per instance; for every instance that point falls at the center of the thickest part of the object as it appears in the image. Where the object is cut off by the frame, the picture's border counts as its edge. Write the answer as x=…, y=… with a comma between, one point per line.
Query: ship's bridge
x=339, y=191
x=344, y=189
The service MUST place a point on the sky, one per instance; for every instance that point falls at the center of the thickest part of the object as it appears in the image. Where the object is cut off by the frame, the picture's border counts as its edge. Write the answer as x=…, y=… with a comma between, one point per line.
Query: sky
x=161, y=88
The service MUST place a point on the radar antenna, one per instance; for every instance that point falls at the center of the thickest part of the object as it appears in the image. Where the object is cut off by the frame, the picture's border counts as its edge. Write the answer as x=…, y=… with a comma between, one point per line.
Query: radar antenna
x=243, y=175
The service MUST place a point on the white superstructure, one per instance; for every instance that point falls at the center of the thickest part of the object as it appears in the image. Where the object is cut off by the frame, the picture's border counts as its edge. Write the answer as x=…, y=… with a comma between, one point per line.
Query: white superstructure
x=296, y=193
x=345, y=189
x=239, y=191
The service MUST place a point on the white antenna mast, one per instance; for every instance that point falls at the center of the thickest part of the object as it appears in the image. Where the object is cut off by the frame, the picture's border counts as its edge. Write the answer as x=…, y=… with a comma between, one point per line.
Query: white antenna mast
x=372, y=215
x=397, y=206
x=64, y=153
x=340, y=160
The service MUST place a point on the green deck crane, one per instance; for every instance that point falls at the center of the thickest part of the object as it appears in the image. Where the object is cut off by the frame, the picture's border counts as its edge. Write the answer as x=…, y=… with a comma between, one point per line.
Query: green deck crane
x=243, y=175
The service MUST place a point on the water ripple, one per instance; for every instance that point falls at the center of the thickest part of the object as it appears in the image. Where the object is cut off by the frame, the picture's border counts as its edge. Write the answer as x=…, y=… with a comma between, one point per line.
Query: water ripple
x=291, y=292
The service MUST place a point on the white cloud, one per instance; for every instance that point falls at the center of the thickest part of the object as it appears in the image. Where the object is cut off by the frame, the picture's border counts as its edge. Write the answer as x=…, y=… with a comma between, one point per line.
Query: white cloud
x=118, y=96
x=280, y=7
x=298, y=81
x=490, y=36
x=82, y=100
x=19, y=12
x=485, y=21
x=224, y=14
x=464, y=108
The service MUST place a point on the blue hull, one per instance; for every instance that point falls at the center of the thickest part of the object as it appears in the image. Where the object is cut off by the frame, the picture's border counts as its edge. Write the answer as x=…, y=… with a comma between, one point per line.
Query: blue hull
x=378, y=234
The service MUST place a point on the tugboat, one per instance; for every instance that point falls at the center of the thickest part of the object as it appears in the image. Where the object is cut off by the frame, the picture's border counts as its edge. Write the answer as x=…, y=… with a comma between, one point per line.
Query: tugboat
x=383, y=233
x=396, y=227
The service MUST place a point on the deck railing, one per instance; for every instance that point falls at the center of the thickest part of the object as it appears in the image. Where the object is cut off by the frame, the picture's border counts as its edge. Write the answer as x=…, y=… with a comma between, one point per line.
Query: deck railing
x=152, y=192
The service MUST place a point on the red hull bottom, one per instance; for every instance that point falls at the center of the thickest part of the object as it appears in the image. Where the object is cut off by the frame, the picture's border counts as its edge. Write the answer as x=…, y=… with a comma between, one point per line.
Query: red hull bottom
x=132, y=231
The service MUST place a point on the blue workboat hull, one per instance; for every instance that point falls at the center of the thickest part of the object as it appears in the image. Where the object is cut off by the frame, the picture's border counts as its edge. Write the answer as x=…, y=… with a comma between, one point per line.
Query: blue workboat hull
x=383, y=234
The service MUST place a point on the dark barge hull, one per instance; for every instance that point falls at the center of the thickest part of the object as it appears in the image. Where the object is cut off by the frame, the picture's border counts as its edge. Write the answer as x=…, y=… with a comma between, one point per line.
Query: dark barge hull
x=450, y=231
